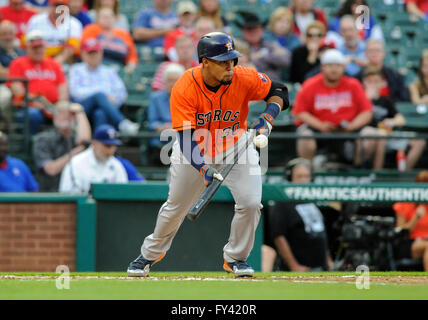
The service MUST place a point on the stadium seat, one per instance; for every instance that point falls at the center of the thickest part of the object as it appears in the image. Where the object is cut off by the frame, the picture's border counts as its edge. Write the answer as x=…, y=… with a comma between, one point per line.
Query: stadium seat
x=150, y=54
x=395, y=58
x=414, y=121
x=138, y=84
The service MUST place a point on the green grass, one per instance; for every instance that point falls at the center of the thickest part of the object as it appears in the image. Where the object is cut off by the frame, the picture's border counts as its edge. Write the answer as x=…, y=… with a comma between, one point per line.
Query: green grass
x=154, y=288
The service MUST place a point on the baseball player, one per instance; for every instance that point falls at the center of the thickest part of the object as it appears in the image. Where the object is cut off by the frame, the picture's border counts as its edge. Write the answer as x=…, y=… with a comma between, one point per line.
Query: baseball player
x=209, y=108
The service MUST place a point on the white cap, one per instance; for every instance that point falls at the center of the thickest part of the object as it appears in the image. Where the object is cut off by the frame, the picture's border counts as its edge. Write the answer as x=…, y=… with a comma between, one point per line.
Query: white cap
x=34, y=35
x=186, y=6
x=332, y=56
x=34, y=38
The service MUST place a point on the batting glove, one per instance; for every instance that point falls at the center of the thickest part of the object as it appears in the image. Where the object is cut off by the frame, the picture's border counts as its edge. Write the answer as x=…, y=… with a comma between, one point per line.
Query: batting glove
x=263, y=125
x=209, y=174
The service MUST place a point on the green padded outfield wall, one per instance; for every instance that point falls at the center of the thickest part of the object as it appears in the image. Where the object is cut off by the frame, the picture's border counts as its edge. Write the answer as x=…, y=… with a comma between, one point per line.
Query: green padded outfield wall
x=127, y=213
x=122, y=225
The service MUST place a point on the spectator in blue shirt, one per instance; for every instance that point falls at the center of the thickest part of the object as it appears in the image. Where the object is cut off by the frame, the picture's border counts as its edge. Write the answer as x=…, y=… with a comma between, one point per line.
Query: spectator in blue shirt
x=8, y=51
x=99, y=89
x=352, y=47
x=371, y=30
x=131, y=171
x=76, y=7
x=15, y=176
x=158, y=113
x=281, y=29
x=151, y=25
x=38, y=5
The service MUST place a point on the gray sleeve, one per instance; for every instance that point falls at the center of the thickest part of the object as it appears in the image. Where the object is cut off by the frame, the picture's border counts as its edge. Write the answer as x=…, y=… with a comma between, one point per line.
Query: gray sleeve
x=41, y=151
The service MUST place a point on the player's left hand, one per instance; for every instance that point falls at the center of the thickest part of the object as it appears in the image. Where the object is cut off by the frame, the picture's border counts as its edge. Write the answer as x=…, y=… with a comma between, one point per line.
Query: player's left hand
x=263, y=125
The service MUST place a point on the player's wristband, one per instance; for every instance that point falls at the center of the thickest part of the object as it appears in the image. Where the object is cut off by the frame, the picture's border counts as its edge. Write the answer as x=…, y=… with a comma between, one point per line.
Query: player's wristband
x=272, y=111
x=193, y=156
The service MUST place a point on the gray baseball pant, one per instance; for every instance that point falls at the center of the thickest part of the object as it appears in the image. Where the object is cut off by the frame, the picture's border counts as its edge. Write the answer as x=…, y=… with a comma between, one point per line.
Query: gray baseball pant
x=186, y=185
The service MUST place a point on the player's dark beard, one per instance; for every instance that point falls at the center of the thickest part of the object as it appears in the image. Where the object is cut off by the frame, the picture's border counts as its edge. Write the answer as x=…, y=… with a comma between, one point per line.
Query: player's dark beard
x=225, y=82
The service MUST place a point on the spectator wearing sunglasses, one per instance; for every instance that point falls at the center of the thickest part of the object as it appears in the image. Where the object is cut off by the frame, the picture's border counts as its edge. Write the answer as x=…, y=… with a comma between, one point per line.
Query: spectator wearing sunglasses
x=306, y=57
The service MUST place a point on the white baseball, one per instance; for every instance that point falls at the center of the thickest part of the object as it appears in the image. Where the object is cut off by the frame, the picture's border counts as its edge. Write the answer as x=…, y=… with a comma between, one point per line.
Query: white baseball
x=261, y=141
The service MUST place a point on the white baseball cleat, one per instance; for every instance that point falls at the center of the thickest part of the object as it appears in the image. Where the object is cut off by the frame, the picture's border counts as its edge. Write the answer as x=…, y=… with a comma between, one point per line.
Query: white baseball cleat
x=140, y=267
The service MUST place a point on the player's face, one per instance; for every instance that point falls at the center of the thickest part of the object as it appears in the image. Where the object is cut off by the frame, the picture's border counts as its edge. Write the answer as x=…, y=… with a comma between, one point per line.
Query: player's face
x=218, y=72
x=301, y=174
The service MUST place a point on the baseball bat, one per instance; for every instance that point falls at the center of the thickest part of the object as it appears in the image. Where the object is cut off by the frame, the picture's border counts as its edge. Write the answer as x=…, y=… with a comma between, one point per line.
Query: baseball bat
x=209, y=192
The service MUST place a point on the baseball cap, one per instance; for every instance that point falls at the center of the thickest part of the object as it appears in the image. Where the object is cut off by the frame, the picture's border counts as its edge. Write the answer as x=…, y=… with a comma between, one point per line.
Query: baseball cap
x=91, y=44
x=35, y=38
x=332, y=56
x=107, y=135
x=327, y=43
x=59, y=2
x=186, y=6
x=249, y=20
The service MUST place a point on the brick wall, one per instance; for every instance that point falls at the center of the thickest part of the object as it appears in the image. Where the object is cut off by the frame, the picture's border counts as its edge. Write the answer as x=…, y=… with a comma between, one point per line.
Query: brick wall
x=37, y=236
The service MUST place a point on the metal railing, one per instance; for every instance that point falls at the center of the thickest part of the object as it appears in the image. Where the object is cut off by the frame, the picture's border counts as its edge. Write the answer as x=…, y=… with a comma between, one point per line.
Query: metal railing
x=26, y=129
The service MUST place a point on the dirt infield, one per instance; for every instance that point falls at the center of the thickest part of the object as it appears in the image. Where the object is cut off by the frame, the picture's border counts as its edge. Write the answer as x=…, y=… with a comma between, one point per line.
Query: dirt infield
x=419, y=280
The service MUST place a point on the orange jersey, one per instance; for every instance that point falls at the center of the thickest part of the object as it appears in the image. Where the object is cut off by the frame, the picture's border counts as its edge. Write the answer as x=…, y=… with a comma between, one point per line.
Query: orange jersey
x=219, y=118
x=408, y=211
x=121, y=43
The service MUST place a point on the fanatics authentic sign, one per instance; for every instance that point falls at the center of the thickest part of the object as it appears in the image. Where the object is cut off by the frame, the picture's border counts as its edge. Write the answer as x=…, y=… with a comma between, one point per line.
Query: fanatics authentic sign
x=400, y=193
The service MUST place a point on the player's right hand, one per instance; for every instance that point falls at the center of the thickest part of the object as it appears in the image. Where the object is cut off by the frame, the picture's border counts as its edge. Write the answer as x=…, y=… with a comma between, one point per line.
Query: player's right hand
x=209, y=174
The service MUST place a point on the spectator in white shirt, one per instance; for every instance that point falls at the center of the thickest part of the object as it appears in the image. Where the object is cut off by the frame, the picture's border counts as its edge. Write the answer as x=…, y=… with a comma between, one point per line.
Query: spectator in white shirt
x=97, y=164
x=61, y=31
x=99, y=89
